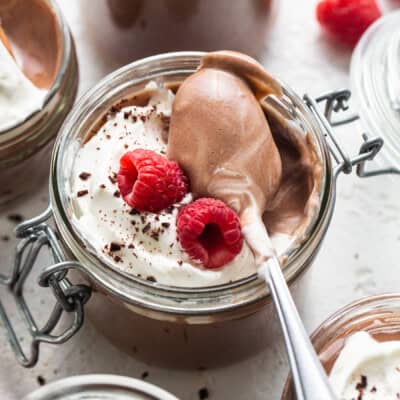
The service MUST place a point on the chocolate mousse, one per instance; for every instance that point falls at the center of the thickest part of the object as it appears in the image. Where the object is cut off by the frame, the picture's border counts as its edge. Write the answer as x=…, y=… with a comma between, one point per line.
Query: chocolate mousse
x=221, y=135
x=34, y=37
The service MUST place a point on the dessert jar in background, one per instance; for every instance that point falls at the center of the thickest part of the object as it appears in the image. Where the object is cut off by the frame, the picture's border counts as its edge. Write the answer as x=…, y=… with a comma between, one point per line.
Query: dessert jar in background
x=106, y=387
x=140, y=28
x=378, y=315
x=174, y=325
x=43, y=48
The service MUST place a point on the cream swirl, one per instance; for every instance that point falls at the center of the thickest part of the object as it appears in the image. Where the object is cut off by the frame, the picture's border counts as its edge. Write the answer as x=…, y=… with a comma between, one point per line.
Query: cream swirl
x=367, y=369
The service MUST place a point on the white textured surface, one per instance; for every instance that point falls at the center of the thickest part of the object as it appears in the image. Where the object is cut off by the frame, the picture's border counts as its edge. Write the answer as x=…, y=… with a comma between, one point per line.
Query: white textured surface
x=359, y=256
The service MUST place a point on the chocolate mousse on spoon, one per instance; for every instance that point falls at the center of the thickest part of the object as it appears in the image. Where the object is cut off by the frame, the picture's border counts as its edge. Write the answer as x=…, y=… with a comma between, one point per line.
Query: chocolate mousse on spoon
x=220, y=136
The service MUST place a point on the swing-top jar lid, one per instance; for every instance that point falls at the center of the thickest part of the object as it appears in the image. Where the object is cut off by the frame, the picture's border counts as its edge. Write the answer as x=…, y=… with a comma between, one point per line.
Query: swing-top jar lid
x=100, y=387
x=375, y=79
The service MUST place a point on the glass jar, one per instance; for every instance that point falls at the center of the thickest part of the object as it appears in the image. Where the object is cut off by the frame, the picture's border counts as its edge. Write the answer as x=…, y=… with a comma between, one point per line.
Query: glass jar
x=202, y=305
x=375, y=81
x=105, y=387
x=25, y=148
x=183, y=324
x=378, y=315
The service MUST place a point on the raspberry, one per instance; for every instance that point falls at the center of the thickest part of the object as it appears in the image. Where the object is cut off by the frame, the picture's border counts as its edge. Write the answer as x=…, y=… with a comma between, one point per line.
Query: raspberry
x=347, y=20
x=150, y=182
x=209, y=231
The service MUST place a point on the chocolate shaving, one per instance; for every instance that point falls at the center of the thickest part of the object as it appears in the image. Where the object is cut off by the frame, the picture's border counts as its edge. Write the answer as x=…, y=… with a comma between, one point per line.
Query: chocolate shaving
x=85, y=176
x=115, y=246
x=146, y=228
x=82, y=193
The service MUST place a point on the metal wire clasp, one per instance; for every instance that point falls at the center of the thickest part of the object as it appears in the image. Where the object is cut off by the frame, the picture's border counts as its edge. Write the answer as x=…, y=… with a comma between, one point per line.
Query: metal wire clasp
x=336, y=102
x=36, y=234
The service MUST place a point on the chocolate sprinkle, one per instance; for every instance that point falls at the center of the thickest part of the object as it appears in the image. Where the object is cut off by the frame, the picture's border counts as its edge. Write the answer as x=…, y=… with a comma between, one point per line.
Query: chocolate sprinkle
x=146, y=228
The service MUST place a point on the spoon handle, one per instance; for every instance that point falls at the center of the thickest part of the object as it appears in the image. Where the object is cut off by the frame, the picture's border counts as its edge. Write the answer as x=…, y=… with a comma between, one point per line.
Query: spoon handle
x=310, y=380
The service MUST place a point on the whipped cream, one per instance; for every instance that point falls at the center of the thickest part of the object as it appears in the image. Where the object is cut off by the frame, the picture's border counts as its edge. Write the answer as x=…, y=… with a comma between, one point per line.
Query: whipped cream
x=18, y=96
x=367, y=369
x=142, y=244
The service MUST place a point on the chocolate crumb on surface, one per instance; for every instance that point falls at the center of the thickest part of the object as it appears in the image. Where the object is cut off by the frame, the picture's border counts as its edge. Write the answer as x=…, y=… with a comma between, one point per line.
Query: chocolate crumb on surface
x=203, y=393
x=85, y=176
x=102, y=186
x=151, y=279
x=165, y=224
x=374, y=389
x=82, y=193
x=145, y=374
x=40, y=380
x=133, y=211
x=180, y=262
x=117, y=259
x=16, y=218
x=117, y=194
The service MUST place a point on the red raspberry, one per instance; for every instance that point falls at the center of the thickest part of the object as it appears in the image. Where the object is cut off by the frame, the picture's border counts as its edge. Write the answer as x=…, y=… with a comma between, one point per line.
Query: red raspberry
x=150, y=182
x=209, y=231
x=347, y=20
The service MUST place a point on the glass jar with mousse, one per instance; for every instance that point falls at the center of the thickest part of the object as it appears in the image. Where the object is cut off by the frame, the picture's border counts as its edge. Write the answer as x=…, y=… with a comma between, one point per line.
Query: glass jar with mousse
x=38, y=88
x=359, y=348
x=191, y=314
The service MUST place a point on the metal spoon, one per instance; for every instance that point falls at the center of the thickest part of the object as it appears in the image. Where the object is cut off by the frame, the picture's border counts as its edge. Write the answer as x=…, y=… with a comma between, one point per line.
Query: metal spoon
x=310, y=380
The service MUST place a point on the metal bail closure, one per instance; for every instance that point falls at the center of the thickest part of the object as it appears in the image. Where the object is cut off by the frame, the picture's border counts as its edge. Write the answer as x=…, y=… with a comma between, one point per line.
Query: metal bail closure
x=336, y=102
x=36, y=234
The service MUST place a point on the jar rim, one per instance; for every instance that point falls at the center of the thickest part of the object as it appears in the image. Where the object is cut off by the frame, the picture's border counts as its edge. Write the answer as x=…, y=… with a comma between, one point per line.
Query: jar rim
x=66, y=47
x=121, y=284
x=112, y=386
